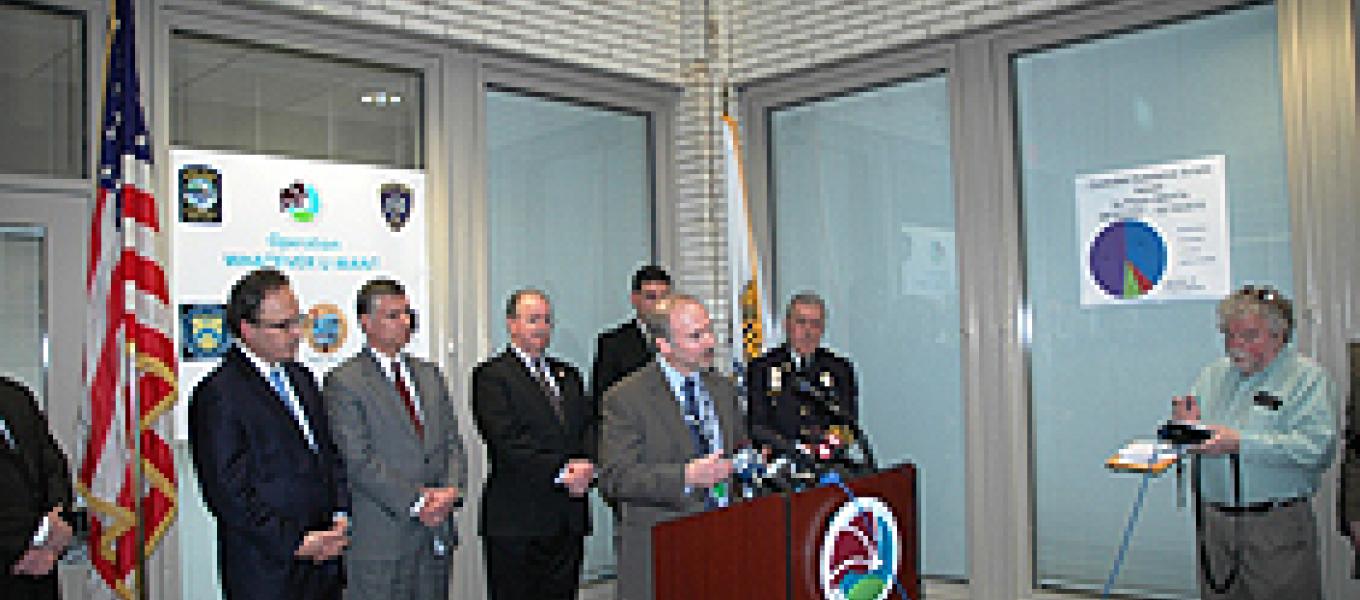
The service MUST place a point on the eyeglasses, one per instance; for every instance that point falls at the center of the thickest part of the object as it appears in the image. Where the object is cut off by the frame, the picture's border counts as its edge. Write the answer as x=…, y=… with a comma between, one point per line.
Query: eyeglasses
x=395, y=314
x=296, y=321
x=1263, y=293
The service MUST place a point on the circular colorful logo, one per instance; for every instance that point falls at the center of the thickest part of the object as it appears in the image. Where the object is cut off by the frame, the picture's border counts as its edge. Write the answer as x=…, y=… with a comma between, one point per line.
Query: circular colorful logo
x=860, y=551
x=300, y=201
x=326, y=328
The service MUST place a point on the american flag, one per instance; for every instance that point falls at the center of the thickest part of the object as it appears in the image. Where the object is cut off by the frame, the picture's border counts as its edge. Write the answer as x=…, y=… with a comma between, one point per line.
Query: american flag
x=129, y=356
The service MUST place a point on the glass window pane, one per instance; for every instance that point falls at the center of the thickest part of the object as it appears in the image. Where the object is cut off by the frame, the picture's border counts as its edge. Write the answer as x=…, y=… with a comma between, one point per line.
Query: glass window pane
x=864, y=215
x=1103, y=375
x=42, y=92
x=263, y=100
x=570, y=211
x=23, y=312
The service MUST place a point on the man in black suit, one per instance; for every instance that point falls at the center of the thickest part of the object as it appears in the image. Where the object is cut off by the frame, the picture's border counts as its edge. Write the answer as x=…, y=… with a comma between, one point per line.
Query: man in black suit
x=539, y=430
x=37, y=489
x=797, y=391
x=1348, y=509
x=621, y=350
x=262, y=448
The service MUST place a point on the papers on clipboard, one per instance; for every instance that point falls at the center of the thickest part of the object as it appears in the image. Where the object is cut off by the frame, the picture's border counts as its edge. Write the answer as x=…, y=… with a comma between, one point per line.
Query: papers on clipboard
x=1142, y=456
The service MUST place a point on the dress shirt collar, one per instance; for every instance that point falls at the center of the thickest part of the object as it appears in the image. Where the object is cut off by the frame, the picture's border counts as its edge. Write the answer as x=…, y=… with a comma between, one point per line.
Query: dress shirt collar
x=801, y=361
x=529, y=362
x=265, y=368
x=675, y=379
x=1287, y=356
x=385, y=362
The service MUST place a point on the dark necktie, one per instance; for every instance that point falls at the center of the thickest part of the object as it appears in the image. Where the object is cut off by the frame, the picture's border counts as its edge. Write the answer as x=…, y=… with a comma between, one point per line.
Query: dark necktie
x=693, y=417
x=703, y=444
x=542, y=375
x=405, y=394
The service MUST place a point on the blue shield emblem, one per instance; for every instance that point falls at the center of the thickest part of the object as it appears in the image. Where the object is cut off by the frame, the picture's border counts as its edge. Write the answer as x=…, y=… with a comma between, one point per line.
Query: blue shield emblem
x=395, y=201
x=200, y=194
x=203, y=331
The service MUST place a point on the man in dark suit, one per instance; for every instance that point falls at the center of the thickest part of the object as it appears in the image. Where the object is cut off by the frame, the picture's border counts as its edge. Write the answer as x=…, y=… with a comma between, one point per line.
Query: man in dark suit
x=797, y=391
x=262, y=449
x=621, y=350
x=37, y=489
x=538, y=426
x=667, y=430
x=398, y=434
x=1349, y=498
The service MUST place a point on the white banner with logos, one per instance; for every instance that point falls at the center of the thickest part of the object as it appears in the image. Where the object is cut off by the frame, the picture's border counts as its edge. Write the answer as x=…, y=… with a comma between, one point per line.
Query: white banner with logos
x=329, y=226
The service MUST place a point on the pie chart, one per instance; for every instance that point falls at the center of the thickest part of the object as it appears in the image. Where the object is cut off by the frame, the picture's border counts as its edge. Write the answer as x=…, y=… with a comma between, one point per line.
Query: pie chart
x=1127, y=259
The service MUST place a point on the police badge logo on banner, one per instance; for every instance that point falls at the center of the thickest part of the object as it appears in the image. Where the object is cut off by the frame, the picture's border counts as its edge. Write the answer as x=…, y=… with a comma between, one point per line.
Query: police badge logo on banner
x=200, y=194
x=395, y=202
x=203, y=332
x=326, y=328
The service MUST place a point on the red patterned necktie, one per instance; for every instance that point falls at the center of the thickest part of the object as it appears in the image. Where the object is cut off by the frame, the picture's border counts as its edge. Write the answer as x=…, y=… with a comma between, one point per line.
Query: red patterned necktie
x=406, y=399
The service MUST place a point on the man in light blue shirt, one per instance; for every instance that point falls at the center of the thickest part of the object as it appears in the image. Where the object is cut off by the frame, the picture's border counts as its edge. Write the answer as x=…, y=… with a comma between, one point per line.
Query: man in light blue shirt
x=1272, y=414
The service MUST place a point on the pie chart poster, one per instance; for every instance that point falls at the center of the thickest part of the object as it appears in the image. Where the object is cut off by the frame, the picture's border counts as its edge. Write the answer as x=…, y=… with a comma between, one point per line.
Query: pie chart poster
x=1154, y=233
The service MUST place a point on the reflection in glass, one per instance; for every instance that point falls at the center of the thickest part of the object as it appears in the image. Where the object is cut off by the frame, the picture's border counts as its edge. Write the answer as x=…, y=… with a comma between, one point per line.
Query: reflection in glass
x=864, y=215
x=23, y=314
x=42, y=92
x=1103, y=375
x=569, y=203
x=264, y=100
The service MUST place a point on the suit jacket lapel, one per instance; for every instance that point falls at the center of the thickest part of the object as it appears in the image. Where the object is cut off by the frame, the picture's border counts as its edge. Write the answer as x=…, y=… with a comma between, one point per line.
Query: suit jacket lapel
x=638, y=340
x=431, y=401
x=265, y=394
x=24, y=467
x=384, y=390
x=668, y=405
x=726, y=420
x=531, y=388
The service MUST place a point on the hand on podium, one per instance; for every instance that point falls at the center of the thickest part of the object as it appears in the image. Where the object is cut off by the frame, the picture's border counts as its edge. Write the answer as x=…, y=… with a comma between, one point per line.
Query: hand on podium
x=707, y=471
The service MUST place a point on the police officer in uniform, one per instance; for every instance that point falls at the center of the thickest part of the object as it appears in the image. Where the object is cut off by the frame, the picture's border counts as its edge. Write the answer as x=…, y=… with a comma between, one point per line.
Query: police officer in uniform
x=799, y=390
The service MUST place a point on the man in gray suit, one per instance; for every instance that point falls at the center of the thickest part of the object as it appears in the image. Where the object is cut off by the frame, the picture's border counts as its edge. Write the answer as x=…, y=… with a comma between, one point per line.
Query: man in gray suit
x=666, y=430
x=395, y=426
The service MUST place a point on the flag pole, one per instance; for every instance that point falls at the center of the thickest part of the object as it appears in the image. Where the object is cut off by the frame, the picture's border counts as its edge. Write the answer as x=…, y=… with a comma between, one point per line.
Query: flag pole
x=138, y=477
x=134, y=401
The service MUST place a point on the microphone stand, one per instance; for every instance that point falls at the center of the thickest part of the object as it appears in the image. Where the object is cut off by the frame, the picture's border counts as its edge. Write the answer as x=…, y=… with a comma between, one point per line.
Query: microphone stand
x=831, y=408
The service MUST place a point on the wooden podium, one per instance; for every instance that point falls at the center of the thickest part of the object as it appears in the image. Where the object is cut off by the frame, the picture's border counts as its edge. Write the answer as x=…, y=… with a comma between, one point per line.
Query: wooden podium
x=770, y=548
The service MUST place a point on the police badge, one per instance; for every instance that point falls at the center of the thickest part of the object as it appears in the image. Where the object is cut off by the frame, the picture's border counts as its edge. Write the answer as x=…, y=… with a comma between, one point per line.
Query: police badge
x=326, y=328
x=395, y=201
x=203, y=331
x=200, y=194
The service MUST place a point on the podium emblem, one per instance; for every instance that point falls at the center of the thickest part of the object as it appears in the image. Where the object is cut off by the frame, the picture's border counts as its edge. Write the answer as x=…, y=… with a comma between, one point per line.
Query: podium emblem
x=860, y=551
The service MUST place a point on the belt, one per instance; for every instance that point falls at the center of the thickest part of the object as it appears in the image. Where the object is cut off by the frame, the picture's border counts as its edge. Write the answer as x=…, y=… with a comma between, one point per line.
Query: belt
x=1256, y=507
